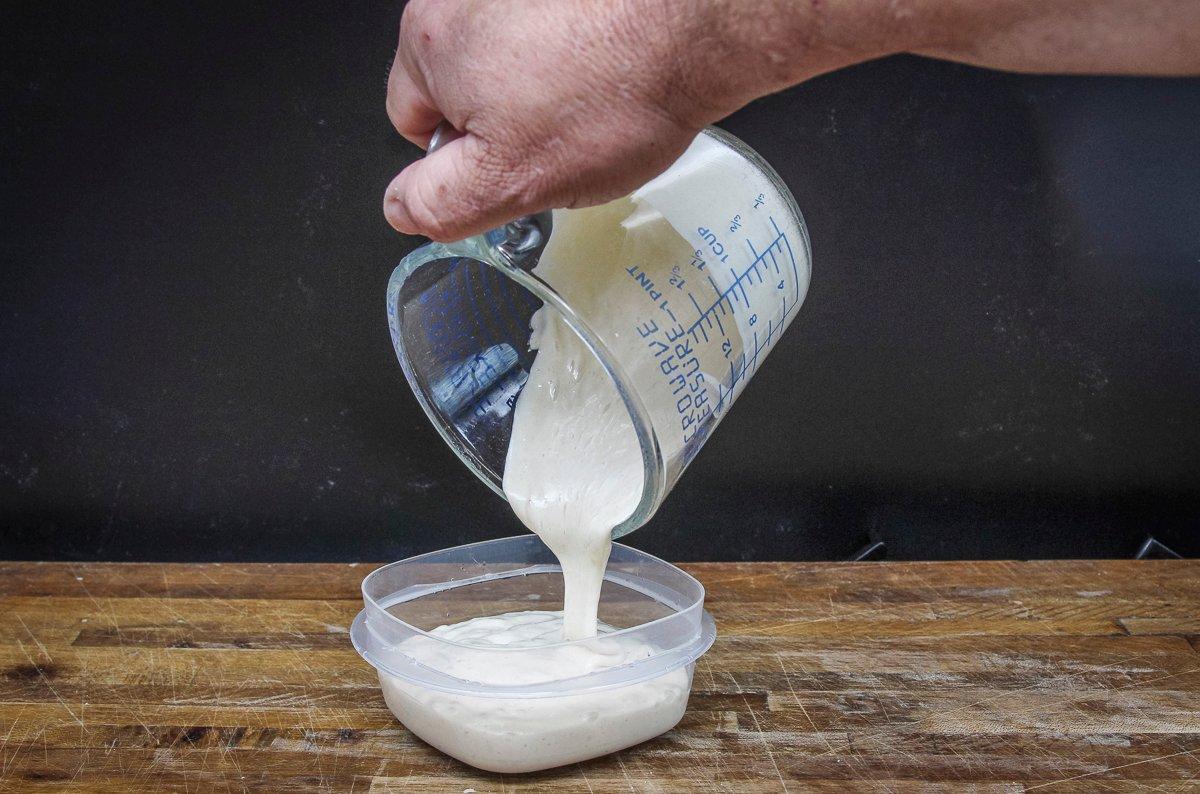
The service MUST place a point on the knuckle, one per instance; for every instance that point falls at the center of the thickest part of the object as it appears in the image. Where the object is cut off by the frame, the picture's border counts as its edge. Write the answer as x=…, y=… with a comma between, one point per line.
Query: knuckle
x=418, y=26
x=415, y=11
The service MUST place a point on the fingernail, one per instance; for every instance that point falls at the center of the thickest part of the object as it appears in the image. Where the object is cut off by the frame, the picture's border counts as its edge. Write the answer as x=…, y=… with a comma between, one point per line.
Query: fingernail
x=396, y=213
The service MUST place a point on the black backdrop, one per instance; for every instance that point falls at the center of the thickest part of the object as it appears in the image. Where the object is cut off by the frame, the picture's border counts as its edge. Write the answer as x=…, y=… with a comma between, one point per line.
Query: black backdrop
x=998, y=355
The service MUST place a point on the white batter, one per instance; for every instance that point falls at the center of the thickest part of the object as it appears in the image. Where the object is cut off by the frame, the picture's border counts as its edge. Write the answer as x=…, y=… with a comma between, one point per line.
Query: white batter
x=574, y=468
x=574, y=472
x=524, y=734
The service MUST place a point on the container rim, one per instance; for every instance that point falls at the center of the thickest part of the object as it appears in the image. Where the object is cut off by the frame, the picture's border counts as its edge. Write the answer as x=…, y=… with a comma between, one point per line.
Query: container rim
x=377, y=634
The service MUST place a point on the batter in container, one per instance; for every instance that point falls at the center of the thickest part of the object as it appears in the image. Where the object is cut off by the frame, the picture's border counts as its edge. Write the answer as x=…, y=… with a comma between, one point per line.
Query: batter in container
x=574, y=471
x=524, y=734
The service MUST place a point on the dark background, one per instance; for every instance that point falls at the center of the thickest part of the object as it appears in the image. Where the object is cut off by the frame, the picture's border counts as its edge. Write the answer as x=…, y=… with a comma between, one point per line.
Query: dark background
x=997, y=358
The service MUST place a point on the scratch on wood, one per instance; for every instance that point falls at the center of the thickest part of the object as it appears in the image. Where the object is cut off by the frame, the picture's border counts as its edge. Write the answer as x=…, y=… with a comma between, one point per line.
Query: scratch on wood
x=1060, y=700
x=758, y=729
x=585, y=778
x=42, y=674
x=787, y=678
x=111, y=614
x=1109, y=769
x=624, y=772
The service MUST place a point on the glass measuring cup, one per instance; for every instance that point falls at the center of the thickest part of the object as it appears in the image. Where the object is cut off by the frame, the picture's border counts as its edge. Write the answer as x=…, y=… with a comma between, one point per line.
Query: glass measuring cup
x=679, y=290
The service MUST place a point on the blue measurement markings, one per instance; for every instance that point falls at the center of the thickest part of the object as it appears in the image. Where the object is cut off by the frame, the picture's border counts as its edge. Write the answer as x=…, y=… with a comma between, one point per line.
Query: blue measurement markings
x=764, y=264
x=759, y=268
x=654, y=293
x=746, y=365
x=676, y=346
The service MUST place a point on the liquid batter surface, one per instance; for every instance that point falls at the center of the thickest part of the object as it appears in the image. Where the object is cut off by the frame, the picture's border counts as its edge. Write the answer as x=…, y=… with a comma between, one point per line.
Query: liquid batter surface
x=574, y=469
x=527, y=733
x=542, y=630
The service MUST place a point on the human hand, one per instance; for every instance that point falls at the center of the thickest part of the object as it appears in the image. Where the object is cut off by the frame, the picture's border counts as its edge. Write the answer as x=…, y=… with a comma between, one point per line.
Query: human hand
x=569, y=103
x=562, y=103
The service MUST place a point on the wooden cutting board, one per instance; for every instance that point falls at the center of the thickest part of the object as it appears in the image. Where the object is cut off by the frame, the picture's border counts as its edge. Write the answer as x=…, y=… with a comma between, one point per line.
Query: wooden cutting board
x=994, y=676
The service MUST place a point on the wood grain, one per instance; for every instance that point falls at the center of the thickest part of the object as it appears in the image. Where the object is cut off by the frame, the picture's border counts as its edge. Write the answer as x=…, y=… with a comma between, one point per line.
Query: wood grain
x=989, y=677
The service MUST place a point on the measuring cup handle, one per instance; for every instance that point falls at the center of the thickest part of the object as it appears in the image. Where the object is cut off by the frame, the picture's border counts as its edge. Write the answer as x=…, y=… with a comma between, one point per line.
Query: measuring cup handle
x=519, y=241
x=444, y=133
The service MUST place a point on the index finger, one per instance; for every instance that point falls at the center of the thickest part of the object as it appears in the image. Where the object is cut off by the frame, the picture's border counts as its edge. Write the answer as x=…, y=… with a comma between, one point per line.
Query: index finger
x=412, y=112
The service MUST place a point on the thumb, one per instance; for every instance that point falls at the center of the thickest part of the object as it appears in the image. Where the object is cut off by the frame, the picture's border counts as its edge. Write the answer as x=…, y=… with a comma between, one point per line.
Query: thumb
x=453, y=193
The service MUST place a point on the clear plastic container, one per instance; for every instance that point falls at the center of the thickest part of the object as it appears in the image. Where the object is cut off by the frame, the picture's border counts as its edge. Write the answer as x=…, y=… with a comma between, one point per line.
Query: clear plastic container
x=543, y=718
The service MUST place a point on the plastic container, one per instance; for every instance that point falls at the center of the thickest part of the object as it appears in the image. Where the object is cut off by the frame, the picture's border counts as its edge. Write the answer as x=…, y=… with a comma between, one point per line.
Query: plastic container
x=700, y=272
x=544, y=718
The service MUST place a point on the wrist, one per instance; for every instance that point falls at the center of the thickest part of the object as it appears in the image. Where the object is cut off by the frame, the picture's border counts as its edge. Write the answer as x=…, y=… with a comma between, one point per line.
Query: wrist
x=726, y=53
